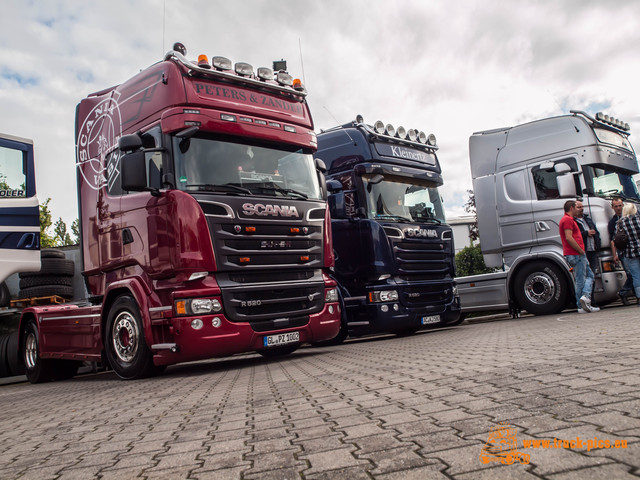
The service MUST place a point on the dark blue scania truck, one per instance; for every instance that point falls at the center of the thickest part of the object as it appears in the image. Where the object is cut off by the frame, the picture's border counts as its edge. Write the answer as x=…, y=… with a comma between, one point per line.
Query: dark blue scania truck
x=394, y=252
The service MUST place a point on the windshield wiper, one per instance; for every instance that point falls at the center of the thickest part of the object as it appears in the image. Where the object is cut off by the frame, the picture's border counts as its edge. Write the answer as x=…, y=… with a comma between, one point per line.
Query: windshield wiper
x=220, y=188
x=284, y=191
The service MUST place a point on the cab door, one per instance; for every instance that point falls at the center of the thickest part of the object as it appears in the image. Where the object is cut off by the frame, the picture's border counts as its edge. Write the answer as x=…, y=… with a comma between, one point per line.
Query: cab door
x=19, y=208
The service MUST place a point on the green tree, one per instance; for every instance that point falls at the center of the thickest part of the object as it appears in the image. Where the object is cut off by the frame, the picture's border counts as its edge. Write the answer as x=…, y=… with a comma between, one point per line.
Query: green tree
x=469, y=261
x=75, y=231
x=46, y=240
x=61, y=237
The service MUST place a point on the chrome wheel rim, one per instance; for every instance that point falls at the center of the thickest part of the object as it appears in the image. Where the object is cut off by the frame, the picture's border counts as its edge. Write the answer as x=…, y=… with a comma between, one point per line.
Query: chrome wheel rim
x=31, y=351
x=125, y=337
x=539, y=288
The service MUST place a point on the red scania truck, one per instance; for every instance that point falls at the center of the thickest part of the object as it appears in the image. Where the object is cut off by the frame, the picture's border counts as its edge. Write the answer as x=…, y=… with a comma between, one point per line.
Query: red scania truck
x=204, y=225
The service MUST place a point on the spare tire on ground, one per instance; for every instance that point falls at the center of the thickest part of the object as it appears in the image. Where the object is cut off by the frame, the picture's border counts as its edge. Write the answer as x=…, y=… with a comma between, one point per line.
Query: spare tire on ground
x=52, y=266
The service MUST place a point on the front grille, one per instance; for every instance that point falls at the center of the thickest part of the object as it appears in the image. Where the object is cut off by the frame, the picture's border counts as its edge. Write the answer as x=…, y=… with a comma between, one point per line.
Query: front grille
x=427, y=294
x=422, y=260
x=259, y=298
x=279, y=324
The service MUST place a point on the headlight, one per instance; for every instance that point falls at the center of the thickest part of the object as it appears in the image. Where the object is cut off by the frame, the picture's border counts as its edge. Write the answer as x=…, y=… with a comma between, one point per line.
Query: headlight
x=197, y=306
x=331, y=295
x=383, y=296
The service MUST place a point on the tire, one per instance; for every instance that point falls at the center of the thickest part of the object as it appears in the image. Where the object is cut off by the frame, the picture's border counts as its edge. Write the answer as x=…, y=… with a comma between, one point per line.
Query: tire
x=126, y=348
x=53, y=266
x=278, y=351
x=36, y=369
x=47, y=291
x=541, y=288
x=5, y=296
x=41, y=280
x=14, y=360
x=5, y=371
x=51, y=253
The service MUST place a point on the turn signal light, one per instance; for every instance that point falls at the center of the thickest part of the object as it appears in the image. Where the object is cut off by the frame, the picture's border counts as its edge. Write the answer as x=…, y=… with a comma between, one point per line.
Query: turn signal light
x=245, y=259
x=295, y=230
x=250, y=229
x=304, y=258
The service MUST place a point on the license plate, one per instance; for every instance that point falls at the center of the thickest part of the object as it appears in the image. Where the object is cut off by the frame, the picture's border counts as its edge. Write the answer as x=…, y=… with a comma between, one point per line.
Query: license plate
x=430, y=319
x=281, y=339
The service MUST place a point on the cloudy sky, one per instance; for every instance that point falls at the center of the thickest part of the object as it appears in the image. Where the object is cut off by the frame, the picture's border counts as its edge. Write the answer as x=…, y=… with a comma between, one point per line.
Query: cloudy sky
x=446, y=67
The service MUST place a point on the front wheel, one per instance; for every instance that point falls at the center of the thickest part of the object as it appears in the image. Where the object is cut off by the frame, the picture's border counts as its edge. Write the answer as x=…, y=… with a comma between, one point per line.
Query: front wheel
x=541, y=288
x=126, y=349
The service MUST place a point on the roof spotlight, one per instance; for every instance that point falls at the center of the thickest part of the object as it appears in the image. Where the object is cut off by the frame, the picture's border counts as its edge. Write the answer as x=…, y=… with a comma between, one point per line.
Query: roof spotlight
x=221, y=63
x=284, y=79
x=401, y=132
x=390, y=130
x=244, y=69
x=627, y=127
x=600, y=116
x=412, y=134
x=422, y=137
x=431, y=140
x=379, y=127
x=265, y=73
x=359, y=119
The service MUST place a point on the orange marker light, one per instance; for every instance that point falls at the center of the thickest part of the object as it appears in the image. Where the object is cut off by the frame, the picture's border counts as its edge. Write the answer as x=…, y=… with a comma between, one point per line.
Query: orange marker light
x=295, y=230
x=181, y=307
x=203, y=61
x=245, y=259
x=297, y=83
x=250, y=229
x=304, y=258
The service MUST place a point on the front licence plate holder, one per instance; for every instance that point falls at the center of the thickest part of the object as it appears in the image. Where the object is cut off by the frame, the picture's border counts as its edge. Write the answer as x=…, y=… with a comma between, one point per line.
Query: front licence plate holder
x=280, y=339
x=430, y=320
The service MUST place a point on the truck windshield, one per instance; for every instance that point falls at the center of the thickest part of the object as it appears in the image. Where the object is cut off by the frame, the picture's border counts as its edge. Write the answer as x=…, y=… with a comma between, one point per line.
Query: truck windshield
x=609, y=182
x=403, y=200
x=210, y=164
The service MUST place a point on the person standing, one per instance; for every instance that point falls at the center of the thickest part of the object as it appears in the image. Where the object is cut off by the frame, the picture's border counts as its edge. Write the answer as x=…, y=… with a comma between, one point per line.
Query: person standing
x=630, y=224
x=627, y=288
x=591, y=240
x=574, y=253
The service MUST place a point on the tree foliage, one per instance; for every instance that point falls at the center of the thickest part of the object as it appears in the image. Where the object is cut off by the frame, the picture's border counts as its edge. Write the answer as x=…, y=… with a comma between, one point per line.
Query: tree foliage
x=469, y=261
x=60, y=237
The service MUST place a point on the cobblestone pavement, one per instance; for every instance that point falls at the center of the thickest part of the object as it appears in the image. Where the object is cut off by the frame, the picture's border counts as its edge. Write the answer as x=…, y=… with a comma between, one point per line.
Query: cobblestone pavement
x=417, y=407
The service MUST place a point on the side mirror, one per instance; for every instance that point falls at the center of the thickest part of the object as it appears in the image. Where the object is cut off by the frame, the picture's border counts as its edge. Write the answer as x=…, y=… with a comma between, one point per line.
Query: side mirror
x=566, y=186
x=321, y=166
x=337, y=206
x=334, y=186
x=130, y=143
x=133, y=170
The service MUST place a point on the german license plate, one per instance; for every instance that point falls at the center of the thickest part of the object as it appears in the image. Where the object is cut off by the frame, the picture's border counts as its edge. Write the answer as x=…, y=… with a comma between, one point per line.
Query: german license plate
x=281, y=339
x=431, y=319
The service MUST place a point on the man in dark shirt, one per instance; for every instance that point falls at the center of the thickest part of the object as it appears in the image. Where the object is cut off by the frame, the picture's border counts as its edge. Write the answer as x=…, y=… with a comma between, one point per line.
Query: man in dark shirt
x=627, y=288
x=591, y=239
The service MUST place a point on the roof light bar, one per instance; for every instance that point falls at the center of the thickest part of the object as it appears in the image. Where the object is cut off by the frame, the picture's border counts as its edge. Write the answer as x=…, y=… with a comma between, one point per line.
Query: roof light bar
x=615, y=122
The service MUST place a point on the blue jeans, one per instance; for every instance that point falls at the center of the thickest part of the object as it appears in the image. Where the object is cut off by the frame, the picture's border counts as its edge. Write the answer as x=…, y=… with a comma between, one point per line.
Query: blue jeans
x=583, y=274
x=633, y=267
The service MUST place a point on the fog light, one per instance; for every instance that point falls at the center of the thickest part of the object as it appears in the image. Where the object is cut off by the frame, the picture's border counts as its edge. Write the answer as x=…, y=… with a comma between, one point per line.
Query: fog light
x=384, y=308
x=197, y=324
x=216, y=322
x=396, y=307
x=331, y=309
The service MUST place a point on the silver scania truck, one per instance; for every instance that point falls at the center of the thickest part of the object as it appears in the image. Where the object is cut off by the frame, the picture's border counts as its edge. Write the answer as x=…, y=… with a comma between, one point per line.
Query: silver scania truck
x=522, y=176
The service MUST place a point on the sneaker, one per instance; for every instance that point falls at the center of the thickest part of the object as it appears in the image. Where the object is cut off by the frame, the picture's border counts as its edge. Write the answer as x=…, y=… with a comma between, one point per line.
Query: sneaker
x=582, y=310
x=624, y=300
x=595, y=309
x=585, y=303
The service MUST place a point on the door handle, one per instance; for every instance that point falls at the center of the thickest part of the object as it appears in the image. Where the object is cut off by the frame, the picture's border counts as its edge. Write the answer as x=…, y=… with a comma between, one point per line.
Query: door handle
x=542, y=227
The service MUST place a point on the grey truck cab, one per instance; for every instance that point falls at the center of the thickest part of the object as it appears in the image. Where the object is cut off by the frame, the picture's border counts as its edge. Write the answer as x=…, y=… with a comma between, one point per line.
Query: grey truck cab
x=522, y=176
x=394, y=251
